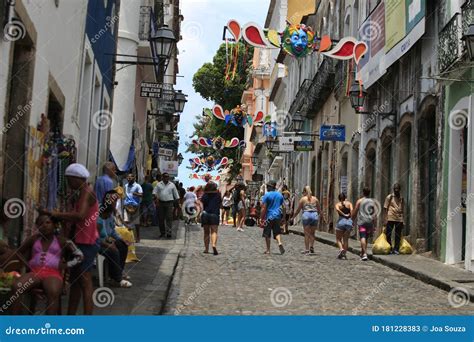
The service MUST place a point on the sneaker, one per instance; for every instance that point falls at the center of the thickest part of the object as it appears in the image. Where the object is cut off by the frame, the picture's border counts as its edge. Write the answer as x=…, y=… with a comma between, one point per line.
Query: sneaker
x=344, y=255
x=396, y=252
x=364, y=257
x=305, y=252
x=282, y=250
x=311, y=250
x=340, y=254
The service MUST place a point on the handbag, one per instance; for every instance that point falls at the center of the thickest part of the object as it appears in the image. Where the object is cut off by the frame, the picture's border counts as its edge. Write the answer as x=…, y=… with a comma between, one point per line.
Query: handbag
x=131, y=209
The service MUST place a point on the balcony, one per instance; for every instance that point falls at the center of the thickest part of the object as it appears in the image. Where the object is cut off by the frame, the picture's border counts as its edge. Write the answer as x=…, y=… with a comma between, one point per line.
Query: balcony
x=300, y=98
x=320, y=89
x=340, y=78
x=450, y=47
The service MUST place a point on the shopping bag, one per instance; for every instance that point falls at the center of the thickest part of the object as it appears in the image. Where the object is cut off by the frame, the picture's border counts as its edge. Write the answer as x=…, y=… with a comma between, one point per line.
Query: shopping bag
x=405, y=247
x=127, y=236
x=381, y=246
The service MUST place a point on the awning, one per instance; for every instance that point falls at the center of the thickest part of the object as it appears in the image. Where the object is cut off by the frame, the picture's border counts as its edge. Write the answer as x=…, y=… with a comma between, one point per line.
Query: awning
x=129, y=161
x=277, y=163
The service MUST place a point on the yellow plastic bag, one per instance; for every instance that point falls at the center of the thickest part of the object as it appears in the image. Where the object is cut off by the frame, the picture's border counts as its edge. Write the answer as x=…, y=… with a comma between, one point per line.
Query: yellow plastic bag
x=405, y=247
x=381, y=246
x=127, y=236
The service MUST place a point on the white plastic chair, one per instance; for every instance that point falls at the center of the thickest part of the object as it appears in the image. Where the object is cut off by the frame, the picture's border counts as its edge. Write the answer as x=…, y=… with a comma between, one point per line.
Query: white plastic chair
x=100, y=268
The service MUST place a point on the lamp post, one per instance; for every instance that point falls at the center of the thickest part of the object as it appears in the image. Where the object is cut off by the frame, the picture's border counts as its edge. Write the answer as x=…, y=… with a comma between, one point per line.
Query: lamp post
x=468, y=38
x=180, y=159
x=179, y=101
x=298, y=121
x=358, y=95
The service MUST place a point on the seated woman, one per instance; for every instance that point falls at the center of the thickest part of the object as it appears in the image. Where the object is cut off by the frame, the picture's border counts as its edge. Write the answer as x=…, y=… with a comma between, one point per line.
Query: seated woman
x=112, y=246
x=46, y=255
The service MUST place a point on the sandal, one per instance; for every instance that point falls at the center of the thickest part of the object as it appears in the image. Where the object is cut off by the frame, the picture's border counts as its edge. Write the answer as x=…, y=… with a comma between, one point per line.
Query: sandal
x=206, y=252
x=126, y=277
x=125, y=284
x=266, y=252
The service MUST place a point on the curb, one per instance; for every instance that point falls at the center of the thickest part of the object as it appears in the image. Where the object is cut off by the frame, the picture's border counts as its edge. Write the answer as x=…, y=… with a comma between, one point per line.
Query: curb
x=445, y=285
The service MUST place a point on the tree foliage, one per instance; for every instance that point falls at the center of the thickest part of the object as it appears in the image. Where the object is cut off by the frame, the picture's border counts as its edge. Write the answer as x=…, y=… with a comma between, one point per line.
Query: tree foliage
x=211, y=83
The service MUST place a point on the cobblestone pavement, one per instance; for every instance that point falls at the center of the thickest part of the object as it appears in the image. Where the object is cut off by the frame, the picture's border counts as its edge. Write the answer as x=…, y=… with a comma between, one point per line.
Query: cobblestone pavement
x=243, y=281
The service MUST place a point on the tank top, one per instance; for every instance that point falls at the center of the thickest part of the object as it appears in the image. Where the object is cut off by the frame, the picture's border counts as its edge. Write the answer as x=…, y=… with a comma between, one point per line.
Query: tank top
x=345, y=210
x=86, y=230
x=366, y=210
x=308, y=206
x=48, y=259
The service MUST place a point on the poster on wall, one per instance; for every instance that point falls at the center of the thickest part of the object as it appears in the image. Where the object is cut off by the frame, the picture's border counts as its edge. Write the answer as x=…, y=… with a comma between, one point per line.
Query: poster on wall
x=169, y=166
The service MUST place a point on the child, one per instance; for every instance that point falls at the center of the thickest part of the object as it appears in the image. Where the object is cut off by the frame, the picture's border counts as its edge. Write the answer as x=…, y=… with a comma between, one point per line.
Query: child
x=45, y=253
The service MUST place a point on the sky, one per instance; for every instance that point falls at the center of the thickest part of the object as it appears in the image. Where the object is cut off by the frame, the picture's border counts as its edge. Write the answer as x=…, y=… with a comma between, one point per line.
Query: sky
x=202, y=28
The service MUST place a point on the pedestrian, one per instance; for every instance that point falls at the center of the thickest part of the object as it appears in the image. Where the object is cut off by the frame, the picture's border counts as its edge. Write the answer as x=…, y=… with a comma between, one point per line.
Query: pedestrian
x=111, y=245
x=199, y=193
x=241, y=209
x=364, y=212
x=44, y=253
x=166, y=196
x=226, y=204
x=271, y=216
x=105, y=182
x=344, y=224
x=288, y=210
x=85, y=233
x=394, y=210
x=155, y=216
x=133, y=198
x=211, y=201
x=147, y=205
x=190, y=209
x=236, y=198
x=258, y=208
x=310, y=206
x=181, y=192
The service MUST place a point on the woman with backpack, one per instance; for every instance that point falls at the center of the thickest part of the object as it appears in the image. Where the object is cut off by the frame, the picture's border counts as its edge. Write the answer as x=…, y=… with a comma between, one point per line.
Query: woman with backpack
x=344, y=225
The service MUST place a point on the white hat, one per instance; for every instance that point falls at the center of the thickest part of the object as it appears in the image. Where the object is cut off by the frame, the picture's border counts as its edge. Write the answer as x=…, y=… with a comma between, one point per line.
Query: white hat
x=77, y=170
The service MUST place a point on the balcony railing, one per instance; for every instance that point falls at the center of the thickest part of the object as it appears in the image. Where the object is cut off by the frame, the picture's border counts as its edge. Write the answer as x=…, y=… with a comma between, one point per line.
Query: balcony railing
x=321, y=87
x=467, y=15
x=450, y=47
x=300, y=97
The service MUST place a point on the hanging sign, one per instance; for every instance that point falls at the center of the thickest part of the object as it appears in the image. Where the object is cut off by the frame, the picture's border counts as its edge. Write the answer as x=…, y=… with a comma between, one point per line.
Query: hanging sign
x=304, y=146
x=286, y=144
x=332, y=133
x=165, y=152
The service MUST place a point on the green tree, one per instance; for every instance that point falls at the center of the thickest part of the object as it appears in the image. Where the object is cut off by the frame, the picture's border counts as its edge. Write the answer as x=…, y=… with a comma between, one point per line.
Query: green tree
x=211, y=83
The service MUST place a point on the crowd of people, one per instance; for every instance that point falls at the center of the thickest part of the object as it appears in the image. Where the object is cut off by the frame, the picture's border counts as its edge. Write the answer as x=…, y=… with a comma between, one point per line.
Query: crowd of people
x=277, y=209
x=64, y=246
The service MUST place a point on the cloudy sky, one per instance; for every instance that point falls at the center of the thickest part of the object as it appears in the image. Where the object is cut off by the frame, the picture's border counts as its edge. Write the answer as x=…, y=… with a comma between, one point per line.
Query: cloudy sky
x=202, y=28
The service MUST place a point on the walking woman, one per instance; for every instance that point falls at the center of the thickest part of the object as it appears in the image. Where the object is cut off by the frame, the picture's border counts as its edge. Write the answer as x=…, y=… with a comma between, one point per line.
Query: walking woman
x=311, y=211
x=211, y=201
x=226, y=204
x=84, y=216
x=241, y=210
x=344, y=225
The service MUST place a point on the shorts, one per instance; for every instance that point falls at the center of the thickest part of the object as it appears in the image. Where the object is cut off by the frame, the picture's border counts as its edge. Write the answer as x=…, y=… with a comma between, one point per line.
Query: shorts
x=310, y=218
x=131, y=219
x=46, y=272
x=240, y=206
x=208, y=219
x=344, y=224
x=272, y=226
x=147, y=208
x=90, y=253
x=226, y=208
x=365, y=232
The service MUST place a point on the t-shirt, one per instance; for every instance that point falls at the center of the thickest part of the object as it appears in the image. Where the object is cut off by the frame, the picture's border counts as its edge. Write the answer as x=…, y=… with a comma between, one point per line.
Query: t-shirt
x=273, y=200
x=226, y=201
x=103, y=184
x=130, y=199
x=395, y=209
x=212, y=203
x=147, y=193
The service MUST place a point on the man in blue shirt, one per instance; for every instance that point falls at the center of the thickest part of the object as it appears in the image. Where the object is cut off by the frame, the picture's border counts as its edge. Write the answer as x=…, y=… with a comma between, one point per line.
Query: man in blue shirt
x=105, y=183
x=272, y=203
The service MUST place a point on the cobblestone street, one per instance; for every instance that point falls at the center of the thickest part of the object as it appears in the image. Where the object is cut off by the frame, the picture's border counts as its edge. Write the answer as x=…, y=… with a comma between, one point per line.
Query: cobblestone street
x=243, y=281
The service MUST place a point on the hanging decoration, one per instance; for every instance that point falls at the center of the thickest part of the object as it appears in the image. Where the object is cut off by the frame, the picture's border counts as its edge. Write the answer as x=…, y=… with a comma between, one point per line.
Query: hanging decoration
x=204, y=177
x=299, y=40
x=218, y=143
x=237, y=116
x=209, y=164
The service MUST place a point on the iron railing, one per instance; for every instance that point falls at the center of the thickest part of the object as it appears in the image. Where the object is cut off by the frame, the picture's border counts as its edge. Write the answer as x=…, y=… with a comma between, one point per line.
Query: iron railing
x=320, y=89
x=300, y=98
x=450, y=46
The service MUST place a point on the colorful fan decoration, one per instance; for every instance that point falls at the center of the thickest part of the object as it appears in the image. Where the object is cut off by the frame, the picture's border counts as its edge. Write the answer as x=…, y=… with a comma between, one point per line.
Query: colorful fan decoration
x=209, y=164
x=299, y=40
x=237, y=116
x=204, y=177
x=218, y=143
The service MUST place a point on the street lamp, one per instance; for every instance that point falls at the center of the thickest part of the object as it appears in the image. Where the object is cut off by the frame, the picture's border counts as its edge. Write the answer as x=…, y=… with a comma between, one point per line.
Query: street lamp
x=179, y=101
x=270, y=142
x=298, y=121
x=254, y=159
x=163, y=42
x=357, y=95
x=180, y=159
x=469, y=39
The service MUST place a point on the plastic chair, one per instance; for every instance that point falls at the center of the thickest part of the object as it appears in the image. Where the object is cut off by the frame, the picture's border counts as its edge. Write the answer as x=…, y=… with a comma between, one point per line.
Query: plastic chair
x=100, y=262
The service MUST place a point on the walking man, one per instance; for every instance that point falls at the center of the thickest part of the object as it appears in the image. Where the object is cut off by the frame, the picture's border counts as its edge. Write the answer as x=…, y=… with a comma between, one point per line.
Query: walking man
x=393, y=210
x=271, y=216
x=105, y=183
x=166, y=195
x=365, y=215
x=133, y=197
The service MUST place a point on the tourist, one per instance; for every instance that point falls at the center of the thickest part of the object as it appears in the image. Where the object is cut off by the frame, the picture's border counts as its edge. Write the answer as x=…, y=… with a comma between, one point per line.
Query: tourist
x=166, y=196
x=211, y=201
x=364, y=212
x=226, y=204
x=147, y=206
x=133, y=198
x=105, y=182
x=393, y=210
x=309, y=204
x=344, y=225
x=271, y=216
